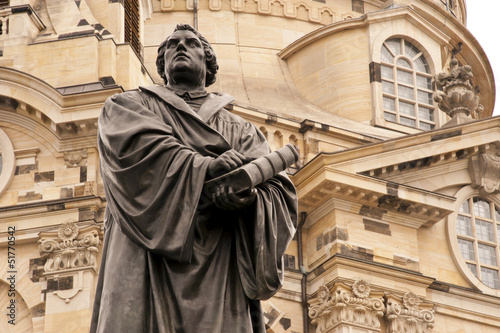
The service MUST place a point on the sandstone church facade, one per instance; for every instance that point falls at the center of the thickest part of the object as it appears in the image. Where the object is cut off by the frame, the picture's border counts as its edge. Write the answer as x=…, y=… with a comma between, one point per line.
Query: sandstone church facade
x=388, y=101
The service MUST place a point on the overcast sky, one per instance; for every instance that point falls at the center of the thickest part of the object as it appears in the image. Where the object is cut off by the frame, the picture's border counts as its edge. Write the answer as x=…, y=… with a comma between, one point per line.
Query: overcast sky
x=483, y=20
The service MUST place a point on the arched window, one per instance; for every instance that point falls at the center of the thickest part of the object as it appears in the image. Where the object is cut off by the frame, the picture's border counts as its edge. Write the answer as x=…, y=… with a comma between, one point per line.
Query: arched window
x=7, y=161
x=406, y=85
x=478, y=234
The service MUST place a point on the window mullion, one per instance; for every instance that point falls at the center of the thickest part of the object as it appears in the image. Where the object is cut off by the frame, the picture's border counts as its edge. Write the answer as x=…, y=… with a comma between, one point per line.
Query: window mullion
x=390, y=51
x=415, y=93
x=474, y=234
x=417, y=56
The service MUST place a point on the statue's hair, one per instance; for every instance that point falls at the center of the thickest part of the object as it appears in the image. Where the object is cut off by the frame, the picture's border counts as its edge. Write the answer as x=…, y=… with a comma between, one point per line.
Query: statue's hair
x=210, y=58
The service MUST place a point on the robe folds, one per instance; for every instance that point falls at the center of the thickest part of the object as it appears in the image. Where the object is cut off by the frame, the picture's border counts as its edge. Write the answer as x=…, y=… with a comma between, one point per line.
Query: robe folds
x=167, y=264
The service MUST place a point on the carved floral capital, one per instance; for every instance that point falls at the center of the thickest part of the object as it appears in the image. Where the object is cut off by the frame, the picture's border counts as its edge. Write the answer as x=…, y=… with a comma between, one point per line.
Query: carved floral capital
x=347, y=305
x=358, y=306
x=405, y=315
x=70, y=247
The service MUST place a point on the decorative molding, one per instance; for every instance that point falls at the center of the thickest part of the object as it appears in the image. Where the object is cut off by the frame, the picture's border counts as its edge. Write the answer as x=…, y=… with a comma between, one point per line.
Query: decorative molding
x=75, y=158
x=26, y=153
x=314, y=11
x=458, y=99
x=347, y=306
x=8, y=167
x=401, y=201
x=70, y=248
x=359, y=307
x=404, y=314
x=484, y=169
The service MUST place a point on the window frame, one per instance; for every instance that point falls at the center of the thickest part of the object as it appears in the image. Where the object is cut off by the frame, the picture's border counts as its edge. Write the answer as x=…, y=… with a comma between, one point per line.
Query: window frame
x=468, y=194
x=415, y=119
x=8, y=161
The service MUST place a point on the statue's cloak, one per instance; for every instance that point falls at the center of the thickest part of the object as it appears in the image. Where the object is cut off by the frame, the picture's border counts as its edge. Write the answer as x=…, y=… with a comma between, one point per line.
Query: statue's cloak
x=168, y=266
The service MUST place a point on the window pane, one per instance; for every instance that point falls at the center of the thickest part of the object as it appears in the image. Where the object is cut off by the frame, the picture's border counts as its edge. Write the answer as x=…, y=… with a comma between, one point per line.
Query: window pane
x=385, y=55
x=425, y=113
x=487, y=255
x=408, y=121
x=422, y=65
x=395, y=45
x=490, y=277
x=389, y=116
x=472, y=267
x=465, y=207
x=410, y=50
x=389, y=104
x=403, y=63
x=405, y=92
x=497, y=213
x=464, y=225
x=426, y=126
x=484, y=230
x=482, y=208
x=424, y=82
x=405, y=77
x=387, y=72
x=424, y=97
x=406, y=108
x=388, y=87
x=467, y=249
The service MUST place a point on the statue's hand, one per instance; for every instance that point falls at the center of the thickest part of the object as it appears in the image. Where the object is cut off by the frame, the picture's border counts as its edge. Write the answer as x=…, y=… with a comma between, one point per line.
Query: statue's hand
x=226, y=162
x=226, y=199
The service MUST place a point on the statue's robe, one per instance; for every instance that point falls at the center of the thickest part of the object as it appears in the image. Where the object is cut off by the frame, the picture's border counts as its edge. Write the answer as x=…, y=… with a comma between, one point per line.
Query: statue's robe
x=168, y=266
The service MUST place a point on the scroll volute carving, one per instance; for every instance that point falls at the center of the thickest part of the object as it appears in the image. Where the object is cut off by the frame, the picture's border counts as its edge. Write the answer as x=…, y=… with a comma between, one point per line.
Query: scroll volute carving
x=458, y=99
x=357, y=306
x=347, y=305
x=70, y=248
x=484, y=169
x=409, y=314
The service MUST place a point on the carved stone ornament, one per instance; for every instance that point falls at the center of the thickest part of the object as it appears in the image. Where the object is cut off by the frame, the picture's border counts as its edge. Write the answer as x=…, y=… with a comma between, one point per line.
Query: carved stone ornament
x=75, y=158
x=346, y=306
x=70, y=248
x=404, y=314
x=458, y=99
x=484, y=170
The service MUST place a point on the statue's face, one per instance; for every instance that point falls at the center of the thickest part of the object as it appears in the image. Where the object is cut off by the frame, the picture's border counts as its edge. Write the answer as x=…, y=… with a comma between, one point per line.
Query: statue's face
x=185, y=59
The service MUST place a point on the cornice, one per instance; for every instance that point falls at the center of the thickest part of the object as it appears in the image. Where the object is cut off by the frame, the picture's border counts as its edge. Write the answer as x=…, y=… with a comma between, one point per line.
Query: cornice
x=369, y=268
x=301, y=126
x=360, y=22
x=402, y=204
x=23, y=210
x=387, y=156
x=28, y=90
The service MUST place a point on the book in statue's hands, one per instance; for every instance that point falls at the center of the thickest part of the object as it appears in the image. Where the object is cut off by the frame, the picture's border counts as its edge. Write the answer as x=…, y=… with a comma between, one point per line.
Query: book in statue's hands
x=254, y=173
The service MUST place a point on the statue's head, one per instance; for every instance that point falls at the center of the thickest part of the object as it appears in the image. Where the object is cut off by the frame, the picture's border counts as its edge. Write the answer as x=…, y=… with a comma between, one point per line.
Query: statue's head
x=186, y=52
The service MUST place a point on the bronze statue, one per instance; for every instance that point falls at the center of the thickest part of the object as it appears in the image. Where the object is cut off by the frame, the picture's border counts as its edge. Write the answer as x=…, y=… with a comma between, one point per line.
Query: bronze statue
x=171, y=263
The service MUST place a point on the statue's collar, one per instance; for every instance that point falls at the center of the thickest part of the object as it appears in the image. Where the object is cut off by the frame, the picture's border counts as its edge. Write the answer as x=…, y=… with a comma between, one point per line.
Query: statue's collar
x=190, y=94
x=213, y=103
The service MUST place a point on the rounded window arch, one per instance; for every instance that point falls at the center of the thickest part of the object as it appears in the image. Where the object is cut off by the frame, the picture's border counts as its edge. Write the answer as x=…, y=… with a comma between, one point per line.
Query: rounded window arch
x=406, y=85
x=474, y=232
x=7, y=161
